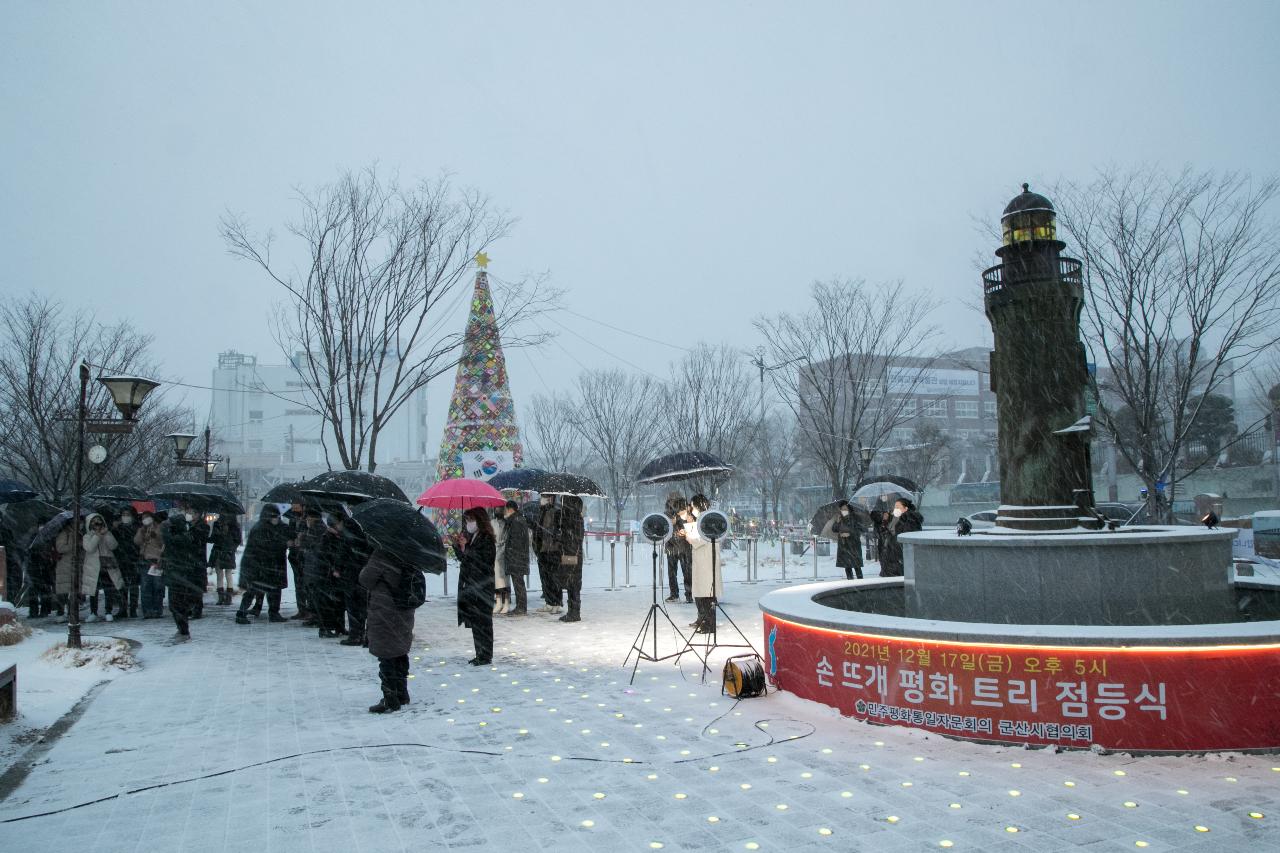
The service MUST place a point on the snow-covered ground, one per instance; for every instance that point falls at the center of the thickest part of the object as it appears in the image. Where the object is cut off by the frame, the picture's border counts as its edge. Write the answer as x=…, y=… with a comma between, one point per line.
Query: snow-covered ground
x=257, y=737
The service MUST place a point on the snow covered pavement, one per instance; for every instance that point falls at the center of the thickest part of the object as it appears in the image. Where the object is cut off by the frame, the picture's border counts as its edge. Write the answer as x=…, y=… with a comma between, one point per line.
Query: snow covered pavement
x=257, y=737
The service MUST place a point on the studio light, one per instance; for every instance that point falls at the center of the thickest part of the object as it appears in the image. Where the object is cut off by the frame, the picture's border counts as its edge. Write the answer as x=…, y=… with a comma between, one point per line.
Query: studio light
x=656, y=527
x=713, y=524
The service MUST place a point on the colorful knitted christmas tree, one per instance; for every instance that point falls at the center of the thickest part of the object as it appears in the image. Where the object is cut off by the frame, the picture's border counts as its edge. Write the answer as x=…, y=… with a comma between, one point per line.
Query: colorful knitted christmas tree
x=481, y=436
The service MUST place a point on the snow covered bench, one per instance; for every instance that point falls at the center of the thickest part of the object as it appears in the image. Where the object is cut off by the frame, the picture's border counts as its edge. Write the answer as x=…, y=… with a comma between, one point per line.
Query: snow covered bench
x=8, y=692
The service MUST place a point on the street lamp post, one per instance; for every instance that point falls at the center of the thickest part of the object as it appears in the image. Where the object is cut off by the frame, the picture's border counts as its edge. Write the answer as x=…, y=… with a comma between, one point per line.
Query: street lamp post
x=758, y=361
x=865, y=455
x=182, y=443
x=128, y=393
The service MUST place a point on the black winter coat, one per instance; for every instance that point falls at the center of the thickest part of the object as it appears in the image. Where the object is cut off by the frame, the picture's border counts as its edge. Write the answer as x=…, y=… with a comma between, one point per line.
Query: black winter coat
x=546, y=537
x=127, y=557
x=263, y=567
x=848, y=547
x=183, y=560
x=516, y=555
x=890, y=548
x=226, y=537
x=388, y=628
x=475, y=580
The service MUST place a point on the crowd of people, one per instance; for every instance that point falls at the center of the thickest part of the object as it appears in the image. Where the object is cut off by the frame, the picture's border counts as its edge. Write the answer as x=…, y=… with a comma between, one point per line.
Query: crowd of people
x=350, y=590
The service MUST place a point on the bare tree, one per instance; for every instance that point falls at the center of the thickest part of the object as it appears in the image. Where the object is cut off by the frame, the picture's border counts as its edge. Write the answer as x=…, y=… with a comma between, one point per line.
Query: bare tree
x=41, y=347
x=924, y=460
x=364, y=318
x=709, y=404
x=777, y=452
x=850, y=386
x=553, y=442
x=1182, y=276
x=613, y=413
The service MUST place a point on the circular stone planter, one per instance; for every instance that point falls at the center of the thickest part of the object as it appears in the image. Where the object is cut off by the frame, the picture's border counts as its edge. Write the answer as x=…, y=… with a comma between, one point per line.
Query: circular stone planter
x=1147, y=688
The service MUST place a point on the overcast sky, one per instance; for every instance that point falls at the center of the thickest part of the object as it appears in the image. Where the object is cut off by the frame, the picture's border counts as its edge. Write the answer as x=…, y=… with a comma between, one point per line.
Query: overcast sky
x=677, y=168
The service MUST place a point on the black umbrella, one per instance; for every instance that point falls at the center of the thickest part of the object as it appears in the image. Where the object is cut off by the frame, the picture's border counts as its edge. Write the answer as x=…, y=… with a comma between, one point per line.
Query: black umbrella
x=284, y=493
x=205, y=497
x=117, y=494
x=11, y=491
x=399, y=529
x=531, y=510
x=519, y=479
x=562, y=483
x=682, y=466
x=827, y=515
x=50, y=529
x=25, y=517
x=352, y=487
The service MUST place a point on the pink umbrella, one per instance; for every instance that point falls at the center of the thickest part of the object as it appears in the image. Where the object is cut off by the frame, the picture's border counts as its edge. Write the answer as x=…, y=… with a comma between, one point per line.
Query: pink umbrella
x=461, y=493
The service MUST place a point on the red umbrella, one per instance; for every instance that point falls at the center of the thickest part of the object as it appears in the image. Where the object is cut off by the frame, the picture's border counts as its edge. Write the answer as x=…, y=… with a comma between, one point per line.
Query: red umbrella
x=461, y=493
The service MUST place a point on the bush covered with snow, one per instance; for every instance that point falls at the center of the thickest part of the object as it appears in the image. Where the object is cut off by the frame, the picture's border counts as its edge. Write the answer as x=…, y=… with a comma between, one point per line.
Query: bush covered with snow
x=12, y=633
x=100, y=654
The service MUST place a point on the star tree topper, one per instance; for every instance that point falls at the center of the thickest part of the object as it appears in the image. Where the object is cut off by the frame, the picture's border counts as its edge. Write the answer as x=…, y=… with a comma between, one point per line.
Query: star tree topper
x=482, y=260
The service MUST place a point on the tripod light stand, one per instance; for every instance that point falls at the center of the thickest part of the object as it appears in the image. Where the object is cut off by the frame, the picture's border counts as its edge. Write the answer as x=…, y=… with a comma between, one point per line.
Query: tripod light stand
x=656, y=528
x=713, y=525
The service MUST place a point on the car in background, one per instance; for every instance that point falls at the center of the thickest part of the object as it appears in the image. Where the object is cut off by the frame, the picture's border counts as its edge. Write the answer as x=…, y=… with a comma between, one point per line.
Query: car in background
x=985, y=518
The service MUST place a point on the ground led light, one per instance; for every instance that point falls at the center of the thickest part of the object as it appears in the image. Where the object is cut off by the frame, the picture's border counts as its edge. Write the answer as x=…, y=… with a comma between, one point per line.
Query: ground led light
x=822, y=830
x=1200, y=828
x=1257, y=815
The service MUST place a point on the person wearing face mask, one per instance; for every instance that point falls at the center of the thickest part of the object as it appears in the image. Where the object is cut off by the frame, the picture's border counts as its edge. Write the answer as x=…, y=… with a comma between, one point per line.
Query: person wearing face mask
x=904, y=519
x=476, y=550
x=263, y=566
x=848, y=533
x=149, y=540
x=546, y=544
x=708, y=580
x=99, y=547
x=225, y=537
x=183, y=566
x=127, y=559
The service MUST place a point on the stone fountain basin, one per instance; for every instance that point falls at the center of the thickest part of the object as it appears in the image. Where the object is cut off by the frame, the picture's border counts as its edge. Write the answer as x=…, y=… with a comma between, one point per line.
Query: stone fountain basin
x=1137, y=688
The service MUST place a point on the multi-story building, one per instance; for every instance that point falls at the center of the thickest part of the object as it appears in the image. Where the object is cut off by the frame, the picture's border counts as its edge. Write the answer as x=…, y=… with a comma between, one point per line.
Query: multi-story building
x=263, y=422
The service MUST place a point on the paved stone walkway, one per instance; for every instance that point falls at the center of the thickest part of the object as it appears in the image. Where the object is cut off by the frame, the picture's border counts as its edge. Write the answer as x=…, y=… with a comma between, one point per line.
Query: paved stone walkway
x=552, y=749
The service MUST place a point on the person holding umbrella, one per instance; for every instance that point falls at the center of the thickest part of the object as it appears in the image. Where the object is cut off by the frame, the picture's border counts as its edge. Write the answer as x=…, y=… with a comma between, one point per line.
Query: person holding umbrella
x=546, y=542
x=476, y=550
x=572, y=532
x=185, y=535
x=904, y=519
x=263, y=568
x=848, y=534
x=127, y=560
x=389, y=627
x=404, y=544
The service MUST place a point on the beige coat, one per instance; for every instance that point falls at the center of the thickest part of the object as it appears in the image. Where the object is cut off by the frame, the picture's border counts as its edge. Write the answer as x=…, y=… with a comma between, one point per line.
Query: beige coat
x=65, y=571
x=702, y=564
x=99, y=554
x=500, y=561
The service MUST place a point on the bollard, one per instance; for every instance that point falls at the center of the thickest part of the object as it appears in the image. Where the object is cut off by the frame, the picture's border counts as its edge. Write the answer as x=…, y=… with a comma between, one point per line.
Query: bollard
x=626, y=567
x=815, y=558
x=613, y=569
x=782, y=540
x=445, y=577
x=602, y=547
